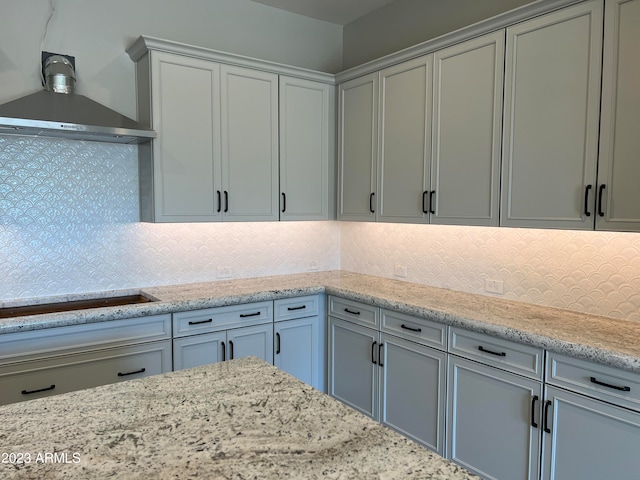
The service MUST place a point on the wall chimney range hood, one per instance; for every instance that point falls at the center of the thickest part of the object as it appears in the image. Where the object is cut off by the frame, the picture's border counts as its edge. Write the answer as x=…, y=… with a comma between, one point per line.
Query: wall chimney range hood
x=58, y=112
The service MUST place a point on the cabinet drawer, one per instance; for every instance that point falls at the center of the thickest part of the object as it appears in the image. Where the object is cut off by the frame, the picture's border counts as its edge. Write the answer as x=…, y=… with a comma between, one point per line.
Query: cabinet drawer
x=511, y=356
x=299, y=307
x=353, y=311
x=419, y=330
x=42, y=378
x=221, y=318
x=24, y=346
x=600, y=381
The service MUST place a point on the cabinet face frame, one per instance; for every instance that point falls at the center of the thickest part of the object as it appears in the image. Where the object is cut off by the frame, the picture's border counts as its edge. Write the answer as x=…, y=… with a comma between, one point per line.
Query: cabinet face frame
x=619, y=161
x=521, y=143
x=358, y=206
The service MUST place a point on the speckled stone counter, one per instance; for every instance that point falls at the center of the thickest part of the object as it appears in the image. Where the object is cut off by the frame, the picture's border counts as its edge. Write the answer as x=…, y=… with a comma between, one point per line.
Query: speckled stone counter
x=237, y=419
x=601, y=339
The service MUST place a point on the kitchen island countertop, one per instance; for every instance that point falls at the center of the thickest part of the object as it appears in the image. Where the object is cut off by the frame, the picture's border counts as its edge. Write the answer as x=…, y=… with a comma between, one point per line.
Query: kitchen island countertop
x=604, y=340
x=238, y=419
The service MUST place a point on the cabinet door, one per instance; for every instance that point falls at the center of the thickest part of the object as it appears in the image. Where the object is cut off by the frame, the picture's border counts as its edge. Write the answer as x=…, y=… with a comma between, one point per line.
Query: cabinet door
x=353, y=369
x=619, y=167
x=254, y=341
x=249, y=144
x=467, y=127
x=412, y=390
x=552, y=98
x=490, y=421
x=589, y=439
x=404, y=141
x=297, y=349
x=357, y=152
x=198, y=350
x=179, y=178
x=306, y=115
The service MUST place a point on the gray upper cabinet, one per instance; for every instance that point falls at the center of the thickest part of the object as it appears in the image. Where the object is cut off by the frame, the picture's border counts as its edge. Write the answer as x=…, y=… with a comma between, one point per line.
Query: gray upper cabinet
x=404, y=141
x=618, y=204
x=551, y=112
x=307, y=119
x=180, y=171
x=467, y=126
x=357, y=148
x=249, y=143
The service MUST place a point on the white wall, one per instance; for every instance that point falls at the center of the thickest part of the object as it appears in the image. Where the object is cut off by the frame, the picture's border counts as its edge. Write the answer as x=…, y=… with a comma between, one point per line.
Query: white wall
x=97, y=33
x=404, y=23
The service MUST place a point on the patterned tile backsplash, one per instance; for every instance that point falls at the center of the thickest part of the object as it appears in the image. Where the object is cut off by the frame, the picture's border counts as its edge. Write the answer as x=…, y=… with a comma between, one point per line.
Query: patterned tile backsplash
x=69, y=224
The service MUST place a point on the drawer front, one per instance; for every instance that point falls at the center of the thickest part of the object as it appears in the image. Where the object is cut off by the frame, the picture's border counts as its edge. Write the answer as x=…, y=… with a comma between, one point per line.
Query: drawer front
x=416, y=329
x=299, y=307
x=221, y=318
x=31, y=345
x=511, y=356
x=62, y=374
x=600, y=381
x=353, y=311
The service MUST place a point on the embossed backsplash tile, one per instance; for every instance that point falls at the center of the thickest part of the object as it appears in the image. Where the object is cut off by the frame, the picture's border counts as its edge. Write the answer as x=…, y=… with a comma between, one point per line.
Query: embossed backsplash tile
x=593, y=272
x=69, y=224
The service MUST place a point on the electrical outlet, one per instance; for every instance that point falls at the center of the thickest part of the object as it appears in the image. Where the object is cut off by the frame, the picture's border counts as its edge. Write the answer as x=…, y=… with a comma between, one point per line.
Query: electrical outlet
x=400, y=271
x=224, y=272
x=312, y=266
x=494, y=286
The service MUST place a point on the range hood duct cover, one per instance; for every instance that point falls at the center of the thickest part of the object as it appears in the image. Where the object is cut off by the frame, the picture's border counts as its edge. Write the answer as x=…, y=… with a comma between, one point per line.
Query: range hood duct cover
x=58, y=112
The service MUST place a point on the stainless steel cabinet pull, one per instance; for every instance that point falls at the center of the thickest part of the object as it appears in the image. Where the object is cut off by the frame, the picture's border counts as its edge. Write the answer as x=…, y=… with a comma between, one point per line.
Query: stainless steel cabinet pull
x=142, y=370
x=29, y=392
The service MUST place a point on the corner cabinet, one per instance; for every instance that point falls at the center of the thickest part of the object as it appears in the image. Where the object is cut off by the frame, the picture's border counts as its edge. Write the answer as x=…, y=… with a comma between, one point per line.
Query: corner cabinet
x=220, y=118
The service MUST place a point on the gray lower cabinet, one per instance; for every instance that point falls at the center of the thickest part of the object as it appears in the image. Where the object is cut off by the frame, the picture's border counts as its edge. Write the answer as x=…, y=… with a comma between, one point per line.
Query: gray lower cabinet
x=299, y=338
x=592, y=412
x=494, y=406
x=399, y=382
x=45, y=362
x=223, y=333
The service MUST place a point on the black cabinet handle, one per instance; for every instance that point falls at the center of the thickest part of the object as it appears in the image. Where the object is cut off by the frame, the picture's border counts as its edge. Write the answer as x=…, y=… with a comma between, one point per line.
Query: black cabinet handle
x=301, y=307
x=245, y=315
x=29, y=392
x=226, y=201
x=533, y=411
x=352, y=312
x=201, y=322
x=546, y=416
x=425, y=195
x=219, y=201
x=230, y=350
x=431, y=207
x=142, y=370
x=224, y=352
x=600, y=190
x=371, y=209
x=499, y=354
x=277, y=343
x=586, y=200
x=284, y=202
x=410, y=329
x=380, y=347
x=373, y=349
x=624, y=388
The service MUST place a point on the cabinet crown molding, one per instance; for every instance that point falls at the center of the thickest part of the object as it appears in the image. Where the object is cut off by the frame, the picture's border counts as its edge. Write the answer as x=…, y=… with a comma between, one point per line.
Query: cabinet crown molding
x=145, y=44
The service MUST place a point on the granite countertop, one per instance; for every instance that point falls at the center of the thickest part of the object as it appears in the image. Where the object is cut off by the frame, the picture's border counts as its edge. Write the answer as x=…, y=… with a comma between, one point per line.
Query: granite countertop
x=237, y=419
x=605, y=340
